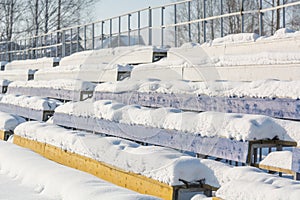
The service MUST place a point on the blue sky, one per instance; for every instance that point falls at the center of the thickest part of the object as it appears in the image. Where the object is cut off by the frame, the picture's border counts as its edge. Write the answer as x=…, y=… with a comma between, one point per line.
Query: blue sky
x=109, y=8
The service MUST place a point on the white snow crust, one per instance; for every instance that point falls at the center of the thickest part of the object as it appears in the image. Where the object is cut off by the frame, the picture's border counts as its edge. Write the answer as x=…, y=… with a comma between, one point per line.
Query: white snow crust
x=281, y=159
x=8, y=122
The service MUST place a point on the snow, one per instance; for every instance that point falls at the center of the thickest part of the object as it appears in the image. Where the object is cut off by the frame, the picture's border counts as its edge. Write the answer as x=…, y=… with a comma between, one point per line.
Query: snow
x=120, y=153
x=35, y=103
x=8, y=122
x=270, y=88
x=61, y=84
x=208, y=124
x=281, y=159
x=235, y=38
x=4, y=82
x=43, y=179
x=16, y=75
x=245, y=183
x=31, y=64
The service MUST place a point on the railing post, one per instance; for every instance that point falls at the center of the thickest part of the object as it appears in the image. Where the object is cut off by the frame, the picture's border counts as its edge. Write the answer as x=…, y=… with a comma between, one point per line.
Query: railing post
x=204, y=22
x=260, y=18
x=139, y=27
x=222, y=20
x=283, y=14
x=85, y=37
x=119, y=32
x=110, y=33
x=150, y=27
x=63, y=38
x=93, y=36
x=242, y=16
x=71, y=43
x=102, y=34
x=77, y=39
x=129, y=18
x=162, y=24
x=175, y=27
x=189, y=19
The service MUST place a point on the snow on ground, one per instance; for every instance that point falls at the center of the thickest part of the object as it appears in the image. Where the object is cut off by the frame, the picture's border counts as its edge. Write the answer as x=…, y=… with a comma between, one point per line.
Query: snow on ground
x=122, y=154
x=9, y=122
x=60, y=84
x=246, y=183
x=31, y=176
x=35, y=103
x=270, y=88
x=234, y=126
x=281, y=159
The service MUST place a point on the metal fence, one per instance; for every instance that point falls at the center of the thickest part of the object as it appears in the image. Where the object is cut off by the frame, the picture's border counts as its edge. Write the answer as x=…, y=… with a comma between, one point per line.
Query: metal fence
x=166, y=25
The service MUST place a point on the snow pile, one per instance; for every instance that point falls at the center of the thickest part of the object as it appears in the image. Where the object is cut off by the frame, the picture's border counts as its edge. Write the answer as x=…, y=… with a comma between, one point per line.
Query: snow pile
x=245, y=183
x=35, y=103
x=270, y=88
x=59, y=84
x=210, y=124
x=281, y=159
x=4, y=82
x=120, y=153
x=235, y=38
x=54, y=181
x=8, y=122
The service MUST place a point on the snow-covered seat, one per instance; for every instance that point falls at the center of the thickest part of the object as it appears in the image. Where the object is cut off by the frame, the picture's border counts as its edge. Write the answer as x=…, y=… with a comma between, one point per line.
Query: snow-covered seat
x=32, y=64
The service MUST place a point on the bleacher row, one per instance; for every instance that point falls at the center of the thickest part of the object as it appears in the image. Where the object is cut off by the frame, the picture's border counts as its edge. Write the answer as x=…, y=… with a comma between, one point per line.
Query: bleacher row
x=67, y=94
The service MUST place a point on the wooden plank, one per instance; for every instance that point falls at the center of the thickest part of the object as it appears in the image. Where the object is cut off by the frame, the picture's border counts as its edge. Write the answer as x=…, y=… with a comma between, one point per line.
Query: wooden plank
x=276, y=169
x=212, y=146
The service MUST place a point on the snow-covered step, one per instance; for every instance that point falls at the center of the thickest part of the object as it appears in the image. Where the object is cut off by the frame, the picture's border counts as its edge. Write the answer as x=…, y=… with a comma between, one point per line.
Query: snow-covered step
x=273, y=98
x=158, y=171
x=228, y=136
x=17, y=75
x=8, y=123
x=63, y=89
x=32, y=64
x=35, y=108
x=45, y=179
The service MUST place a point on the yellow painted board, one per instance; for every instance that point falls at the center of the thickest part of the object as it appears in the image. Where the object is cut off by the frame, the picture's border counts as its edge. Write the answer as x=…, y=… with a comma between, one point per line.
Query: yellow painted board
x=104, y=171
x=276, y=169
x=2, y=134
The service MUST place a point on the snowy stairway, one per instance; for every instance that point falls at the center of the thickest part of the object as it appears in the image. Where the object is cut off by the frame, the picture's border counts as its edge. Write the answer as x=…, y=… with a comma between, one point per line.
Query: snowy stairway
x=210, y=134
x=62, y=89
x=31, y=108
x=121, y=162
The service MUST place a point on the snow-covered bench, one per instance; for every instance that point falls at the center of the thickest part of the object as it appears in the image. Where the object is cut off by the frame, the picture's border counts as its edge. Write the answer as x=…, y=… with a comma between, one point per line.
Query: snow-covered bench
x=62, y=89
x=32, y=64
x=233, y=137
x=32, y=108
x=158, y=171
x=273, y=98
x=8, y=123
x=17, y=75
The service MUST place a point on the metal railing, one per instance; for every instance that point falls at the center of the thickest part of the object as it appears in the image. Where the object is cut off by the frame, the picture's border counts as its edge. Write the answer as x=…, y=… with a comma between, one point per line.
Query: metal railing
x=167, y=25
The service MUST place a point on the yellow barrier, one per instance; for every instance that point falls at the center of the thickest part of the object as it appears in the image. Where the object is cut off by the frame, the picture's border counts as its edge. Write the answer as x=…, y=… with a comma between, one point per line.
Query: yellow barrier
x=104, y=171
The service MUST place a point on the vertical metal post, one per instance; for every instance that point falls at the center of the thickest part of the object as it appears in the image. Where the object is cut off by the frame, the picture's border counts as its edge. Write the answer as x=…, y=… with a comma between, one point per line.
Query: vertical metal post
x=63, y=38
x=93, y=36
x=283, y=15
x=84, y=29
x=129, y=28
x=71, y=42
x=222, y=19
x=162, y=24
x=25, y=52
x=204, y=22
x=110, y=33
x=139, y=27
x=242, y=16
x=150, y=27
x=51, y=43
x=102, y=34
x=175, y=27
x=77, y=38
x=189, y=19
x=119, y=34
x=260, y=18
